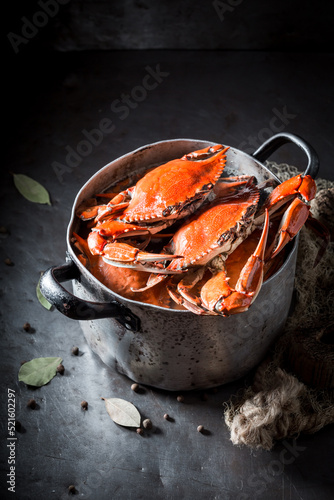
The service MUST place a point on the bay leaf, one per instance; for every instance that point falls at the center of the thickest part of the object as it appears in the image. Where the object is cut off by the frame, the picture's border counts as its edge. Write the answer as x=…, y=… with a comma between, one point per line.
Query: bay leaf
x=31, y=189
x=39, y=371
x=41, y=297
x=122, y=412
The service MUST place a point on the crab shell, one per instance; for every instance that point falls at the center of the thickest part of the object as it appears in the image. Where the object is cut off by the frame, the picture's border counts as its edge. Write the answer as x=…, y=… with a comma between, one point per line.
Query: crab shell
x=176, y=188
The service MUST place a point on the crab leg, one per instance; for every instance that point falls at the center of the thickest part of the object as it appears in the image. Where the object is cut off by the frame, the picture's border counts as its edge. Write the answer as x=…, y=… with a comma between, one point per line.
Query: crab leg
x=188, y=304
x=124, y=255
x=157, y=276
x=181, y=294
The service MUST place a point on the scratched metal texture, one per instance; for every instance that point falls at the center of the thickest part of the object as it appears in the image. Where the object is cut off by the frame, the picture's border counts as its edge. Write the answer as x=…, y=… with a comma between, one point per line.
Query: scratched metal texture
x=227, y=97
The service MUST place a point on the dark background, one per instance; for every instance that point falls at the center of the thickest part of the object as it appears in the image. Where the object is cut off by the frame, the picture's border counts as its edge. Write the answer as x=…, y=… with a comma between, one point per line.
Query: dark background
x=231, y=66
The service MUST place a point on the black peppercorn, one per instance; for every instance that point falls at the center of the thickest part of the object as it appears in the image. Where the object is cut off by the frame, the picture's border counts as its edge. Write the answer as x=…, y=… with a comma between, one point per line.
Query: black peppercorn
x=31, y=404
x=61, y=369
x=84, y=405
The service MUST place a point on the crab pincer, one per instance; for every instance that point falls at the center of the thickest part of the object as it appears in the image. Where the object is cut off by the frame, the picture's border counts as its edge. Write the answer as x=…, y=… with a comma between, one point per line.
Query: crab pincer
x=124, y=255
x=300, y=189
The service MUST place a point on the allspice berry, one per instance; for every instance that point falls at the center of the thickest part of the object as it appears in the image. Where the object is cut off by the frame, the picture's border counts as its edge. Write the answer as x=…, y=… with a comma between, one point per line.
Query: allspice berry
x=75, y=350
x=31, y=404
x=61, y=369
x=26, y=327
x=135, y=387
x=84, y=405
x=147, y=424
x=72, y=489
x=140, y=431
x=200, y=428
x=166, y=416
x=180, y=398
x=9, y=262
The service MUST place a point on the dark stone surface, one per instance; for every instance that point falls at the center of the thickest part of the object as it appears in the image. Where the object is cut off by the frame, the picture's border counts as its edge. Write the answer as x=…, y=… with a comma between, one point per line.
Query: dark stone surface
x=172, y=24
x=225, y=97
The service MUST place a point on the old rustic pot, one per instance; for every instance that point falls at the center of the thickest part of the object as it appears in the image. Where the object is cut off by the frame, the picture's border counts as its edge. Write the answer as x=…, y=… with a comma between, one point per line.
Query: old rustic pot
x=174, y=349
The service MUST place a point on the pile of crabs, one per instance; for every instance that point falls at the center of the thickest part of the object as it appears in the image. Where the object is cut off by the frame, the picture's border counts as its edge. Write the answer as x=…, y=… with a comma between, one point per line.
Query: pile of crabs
x=207, y=217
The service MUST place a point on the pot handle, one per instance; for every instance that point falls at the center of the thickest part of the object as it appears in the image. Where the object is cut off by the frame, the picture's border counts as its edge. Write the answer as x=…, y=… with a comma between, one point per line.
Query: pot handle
x=275, y=142
x=75, y=308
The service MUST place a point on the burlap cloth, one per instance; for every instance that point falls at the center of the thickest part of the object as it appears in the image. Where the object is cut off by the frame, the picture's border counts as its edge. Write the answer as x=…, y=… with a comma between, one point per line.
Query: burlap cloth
x=292, y=390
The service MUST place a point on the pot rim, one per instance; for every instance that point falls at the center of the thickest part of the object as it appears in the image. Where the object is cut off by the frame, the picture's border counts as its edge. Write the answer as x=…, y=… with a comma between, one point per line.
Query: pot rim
x=120, y=298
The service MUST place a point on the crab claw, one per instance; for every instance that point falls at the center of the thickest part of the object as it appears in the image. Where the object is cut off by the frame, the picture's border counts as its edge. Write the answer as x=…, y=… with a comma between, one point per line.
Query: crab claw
x=190, y=304
x=250, y=280
x=124, y=255
x=293, y=220
x=111, y=230
x=303, y=185
x=118, y=203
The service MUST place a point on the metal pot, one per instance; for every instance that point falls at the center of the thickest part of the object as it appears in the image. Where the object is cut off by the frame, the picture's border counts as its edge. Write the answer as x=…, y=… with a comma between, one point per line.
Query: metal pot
x=174, y=349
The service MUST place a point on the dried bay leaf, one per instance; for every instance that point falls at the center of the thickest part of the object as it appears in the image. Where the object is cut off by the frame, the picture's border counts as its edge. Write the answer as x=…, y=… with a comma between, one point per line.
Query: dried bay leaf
x=31, y=189
x=39, y=371
x=122, y=412
x=41, y=298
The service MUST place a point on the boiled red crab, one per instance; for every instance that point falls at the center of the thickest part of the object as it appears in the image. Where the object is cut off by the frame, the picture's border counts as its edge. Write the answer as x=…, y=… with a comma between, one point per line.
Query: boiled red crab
x=166, y=193
x=202, y=244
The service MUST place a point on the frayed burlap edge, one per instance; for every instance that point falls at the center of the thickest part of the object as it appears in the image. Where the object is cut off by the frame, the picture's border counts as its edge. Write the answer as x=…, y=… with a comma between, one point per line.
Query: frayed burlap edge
x=279, y=405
